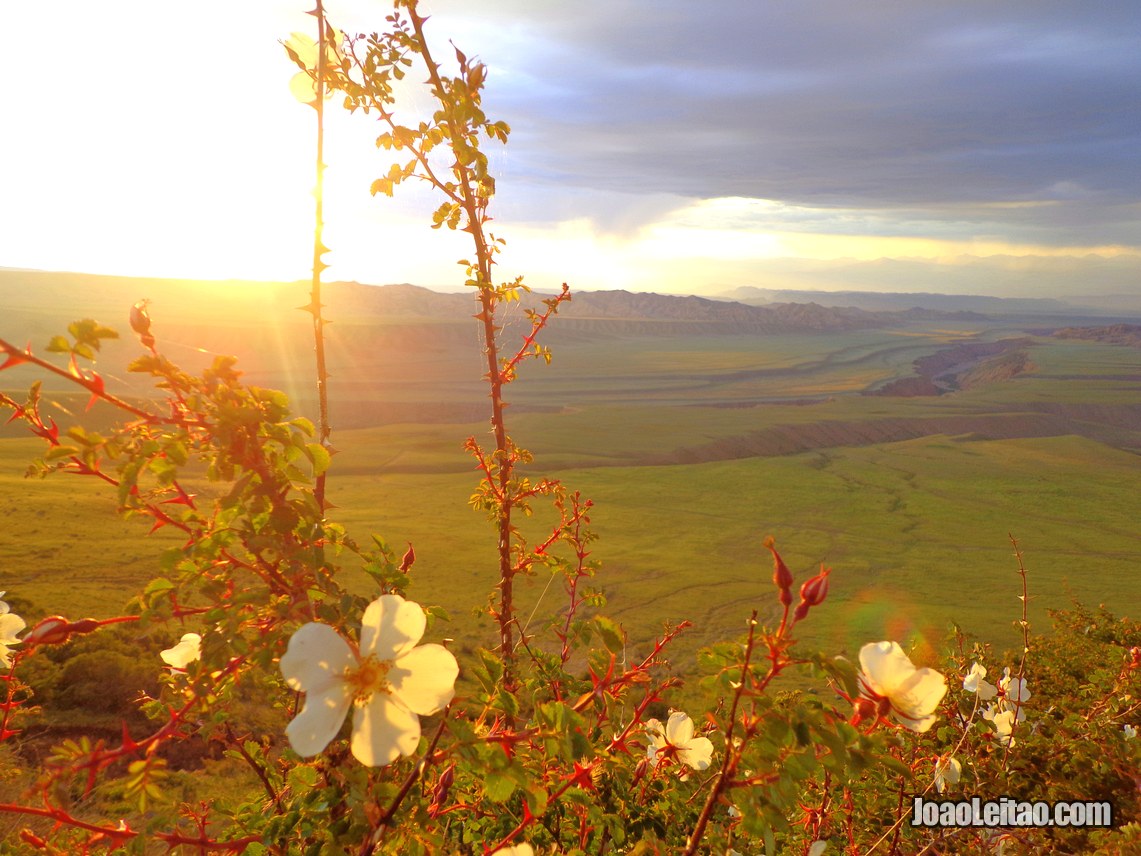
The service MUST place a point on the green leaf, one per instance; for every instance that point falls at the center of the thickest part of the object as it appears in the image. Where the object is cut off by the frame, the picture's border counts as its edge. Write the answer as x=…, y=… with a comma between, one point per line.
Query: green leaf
x=498, y=786
x=612, y=636
x=57, y=452
x=59, y=345
x=302, y=778
x=320, y=457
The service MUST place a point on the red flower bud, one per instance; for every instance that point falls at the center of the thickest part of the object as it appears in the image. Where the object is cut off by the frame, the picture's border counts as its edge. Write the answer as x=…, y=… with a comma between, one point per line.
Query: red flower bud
x=55, y=630
x=782, y=577
x=447, y=778
x=52, y=630
x=815, y=590
x=84, y=625
x=409, y=558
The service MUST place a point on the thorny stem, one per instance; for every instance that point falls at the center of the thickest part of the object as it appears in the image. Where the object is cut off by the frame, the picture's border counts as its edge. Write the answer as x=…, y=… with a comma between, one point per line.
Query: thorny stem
x=1025, y=624
x=371, y=843
x=92, y=385
x=728, y=765
x=124, y=834
x=258, y=769
x=474, y=210
x=319, y=249
x=899, y=810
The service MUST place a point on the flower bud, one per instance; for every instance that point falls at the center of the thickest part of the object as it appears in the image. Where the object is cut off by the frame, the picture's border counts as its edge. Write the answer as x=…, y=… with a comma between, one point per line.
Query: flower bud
x=444, y=785
x=815, y=590
x=55, y=630
x=84, y=625
x=407, y=560
x=52, y=630
x=782, y=577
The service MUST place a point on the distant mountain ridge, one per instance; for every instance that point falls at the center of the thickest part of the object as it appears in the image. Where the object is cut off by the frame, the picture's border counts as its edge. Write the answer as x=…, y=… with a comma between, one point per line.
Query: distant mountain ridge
x=875, y=301
x=598, y=312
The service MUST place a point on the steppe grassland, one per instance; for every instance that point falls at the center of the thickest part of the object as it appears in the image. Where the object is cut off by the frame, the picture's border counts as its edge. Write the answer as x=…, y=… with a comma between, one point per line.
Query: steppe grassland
x=916, y=530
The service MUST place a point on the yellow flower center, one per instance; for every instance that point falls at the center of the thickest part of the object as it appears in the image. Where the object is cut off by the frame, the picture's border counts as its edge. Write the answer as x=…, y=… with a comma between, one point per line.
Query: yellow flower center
x=370, y=676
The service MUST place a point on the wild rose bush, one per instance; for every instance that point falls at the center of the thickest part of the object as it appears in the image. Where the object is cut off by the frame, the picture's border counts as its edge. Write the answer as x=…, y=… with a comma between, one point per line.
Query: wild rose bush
x=360, y=732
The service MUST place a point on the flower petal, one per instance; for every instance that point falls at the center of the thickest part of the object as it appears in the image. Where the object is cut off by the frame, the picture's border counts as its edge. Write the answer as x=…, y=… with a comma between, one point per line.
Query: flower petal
x=391, y=627
x=974, y=677
x=303, y=88
x=515, y=850
x=320, y=719
x=305, y=48
x=679, y=729
x=920, y=693
x=383, y=730
x=424, y=679
x=698, y=753
x=10, y=625
x=914, y=702
x=317, y=657
x=885, y=666
x=188, y=649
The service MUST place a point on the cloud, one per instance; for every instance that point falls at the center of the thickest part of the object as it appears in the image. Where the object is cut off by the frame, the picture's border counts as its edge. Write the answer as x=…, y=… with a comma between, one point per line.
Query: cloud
x=945, y=111
x=642, y=130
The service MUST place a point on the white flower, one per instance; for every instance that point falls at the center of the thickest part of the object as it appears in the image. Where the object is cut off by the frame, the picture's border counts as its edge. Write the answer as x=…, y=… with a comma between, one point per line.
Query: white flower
x=515, y=850
x=947, y=772
x=1004, y=723
x=188, y=649
x=1130, y=731
x=1013, y=689
x=10, y=625
x=817, y=848
x=974, y=682
x=890, y=677
x=1001, y=713
x=388, y=678
x=676, y=738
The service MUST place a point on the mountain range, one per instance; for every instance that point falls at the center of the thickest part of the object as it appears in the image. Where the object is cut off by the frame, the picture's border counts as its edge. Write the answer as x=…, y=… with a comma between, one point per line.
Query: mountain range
x=1122, y=305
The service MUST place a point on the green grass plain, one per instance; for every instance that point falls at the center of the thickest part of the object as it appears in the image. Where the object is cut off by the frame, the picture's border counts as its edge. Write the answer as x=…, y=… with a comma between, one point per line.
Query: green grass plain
x=693, y=450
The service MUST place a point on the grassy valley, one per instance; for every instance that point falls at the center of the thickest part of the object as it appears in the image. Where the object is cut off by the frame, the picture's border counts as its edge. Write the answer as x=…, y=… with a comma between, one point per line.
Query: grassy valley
x=694, y=445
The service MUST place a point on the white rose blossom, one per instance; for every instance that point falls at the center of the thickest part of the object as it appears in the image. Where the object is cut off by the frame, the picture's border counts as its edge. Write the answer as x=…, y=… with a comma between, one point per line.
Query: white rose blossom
x=1130, y=731
x=388, y=678
x=1013, y=689
x=974, y=683
x=1007, y=711
x=10, y=625
x=891, y=680
x=676, y=738
x=1004, y=723
x=515, y=850
x=188, y=649
x=947, y=772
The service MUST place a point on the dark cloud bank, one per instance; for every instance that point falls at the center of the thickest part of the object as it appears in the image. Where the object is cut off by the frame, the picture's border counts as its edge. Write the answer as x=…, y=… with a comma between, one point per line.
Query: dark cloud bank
x=1016, y=121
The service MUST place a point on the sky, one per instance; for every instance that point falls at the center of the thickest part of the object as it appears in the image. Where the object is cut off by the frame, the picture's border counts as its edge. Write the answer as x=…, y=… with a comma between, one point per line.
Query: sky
x=962, y=146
